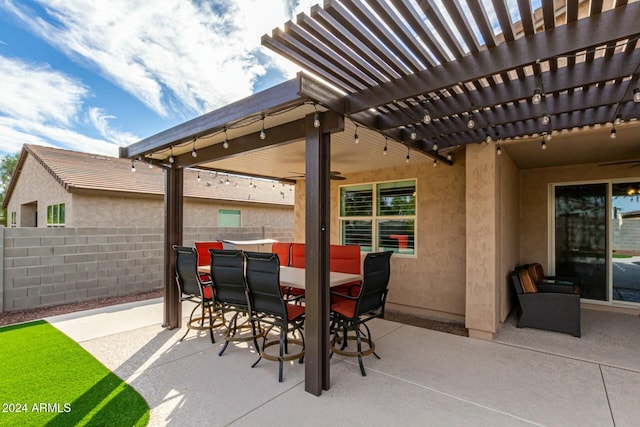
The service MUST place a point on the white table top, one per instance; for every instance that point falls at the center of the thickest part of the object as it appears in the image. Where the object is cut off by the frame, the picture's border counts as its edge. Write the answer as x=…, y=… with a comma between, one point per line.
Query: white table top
x=295, y=277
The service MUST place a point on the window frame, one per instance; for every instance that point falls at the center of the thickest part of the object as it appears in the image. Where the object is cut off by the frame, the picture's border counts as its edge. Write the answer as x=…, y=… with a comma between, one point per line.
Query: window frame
x=56, y=215
x=376, y=218
x=239, y=214
x=14, y=219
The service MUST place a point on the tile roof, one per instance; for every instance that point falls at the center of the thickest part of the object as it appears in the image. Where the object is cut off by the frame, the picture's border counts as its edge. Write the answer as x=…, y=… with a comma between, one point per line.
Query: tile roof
x=85, y=171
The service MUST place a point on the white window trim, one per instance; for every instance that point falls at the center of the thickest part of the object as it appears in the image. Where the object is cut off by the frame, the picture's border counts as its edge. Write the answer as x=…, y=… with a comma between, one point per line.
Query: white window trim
x=375, y=217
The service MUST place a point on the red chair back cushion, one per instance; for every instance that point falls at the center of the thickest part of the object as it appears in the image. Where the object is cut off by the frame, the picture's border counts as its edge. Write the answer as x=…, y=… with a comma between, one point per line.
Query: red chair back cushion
x=298, y=251
x=204, y=258
x=344, y=259
x=282, y=249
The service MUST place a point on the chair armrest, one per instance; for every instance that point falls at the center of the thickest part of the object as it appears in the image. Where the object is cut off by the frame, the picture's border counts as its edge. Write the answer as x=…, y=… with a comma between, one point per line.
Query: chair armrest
x=338, y=294
x=546, y=287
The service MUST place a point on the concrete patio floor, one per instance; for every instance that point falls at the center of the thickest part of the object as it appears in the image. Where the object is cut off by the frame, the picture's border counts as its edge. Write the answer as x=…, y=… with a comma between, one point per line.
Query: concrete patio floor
x=524, y=377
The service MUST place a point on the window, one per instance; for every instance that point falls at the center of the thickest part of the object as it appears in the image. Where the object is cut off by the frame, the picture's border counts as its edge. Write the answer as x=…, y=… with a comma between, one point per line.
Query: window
x=13, y=219
x=55, y=215
x=228, y=218
x=379, y=216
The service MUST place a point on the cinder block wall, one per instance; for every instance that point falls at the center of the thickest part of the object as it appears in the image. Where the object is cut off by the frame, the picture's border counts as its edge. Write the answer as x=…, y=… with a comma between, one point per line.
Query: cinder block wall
x=50, y=266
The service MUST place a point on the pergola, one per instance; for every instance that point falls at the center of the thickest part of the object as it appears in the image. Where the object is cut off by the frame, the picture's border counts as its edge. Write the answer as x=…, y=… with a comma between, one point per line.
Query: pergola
x=429, y=77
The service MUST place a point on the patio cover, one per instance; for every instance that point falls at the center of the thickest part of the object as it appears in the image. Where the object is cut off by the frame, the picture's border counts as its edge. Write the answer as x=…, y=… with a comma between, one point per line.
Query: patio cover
x=383, y=65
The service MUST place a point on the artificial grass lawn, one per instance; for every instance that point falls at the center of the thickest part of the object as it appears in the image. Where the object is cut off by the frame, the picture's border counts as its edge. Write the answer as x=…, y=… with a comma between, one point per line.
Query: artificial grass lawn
x=48, y=379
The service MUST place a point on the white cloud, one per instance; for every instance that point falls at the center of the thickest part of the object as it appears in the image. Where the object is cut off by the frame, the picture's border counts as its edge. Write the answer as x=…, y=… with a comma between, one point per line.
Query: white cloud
x=41, y=106
x=100, y=120
x=35, y=92
x=198, y=54
x=15, y=132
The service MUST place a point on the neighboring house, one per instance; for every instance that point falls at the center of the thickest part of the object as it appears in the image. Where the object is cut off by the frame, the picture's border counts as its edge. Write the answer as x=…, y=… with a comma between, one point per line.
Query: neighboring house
x=61, y=188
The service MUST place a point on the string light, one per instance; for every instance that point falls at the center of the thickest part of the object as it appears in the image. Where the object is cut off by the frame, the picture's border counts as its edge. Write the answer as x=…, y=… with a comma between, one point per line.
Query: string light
x=225, y=144
x=435, y=163
x=263, y=133
x=636, y=94
x=413, y=135
x=498, y=150
x=426, y=118
x=384, y=151
x=546, y=119
x=537, y=96
x=547, y=136
x=171, y=159
x=198, y=176
x=316, y=117
x=543, y=145
x=133, y=165
x=356, y=138
x=449, y=157
x=488, y=139
x=613, y=133
x=194, y=154
x=435, y=146
x=408, y=156
x=618, y=120
x=470, y=123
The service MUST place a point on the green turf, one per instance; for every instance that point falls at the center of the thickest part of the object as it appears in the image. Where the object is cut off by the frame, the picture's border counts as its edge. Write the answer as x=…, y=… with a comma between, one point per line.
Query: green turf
x=46, y=379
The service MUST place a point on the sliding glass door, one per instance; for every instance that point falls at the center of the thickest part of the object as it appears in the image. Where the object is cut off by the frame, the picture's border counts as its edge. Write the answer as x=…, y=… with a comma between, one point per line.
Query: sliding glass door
x=597, y=238
x=625, y=241
x=581, y=237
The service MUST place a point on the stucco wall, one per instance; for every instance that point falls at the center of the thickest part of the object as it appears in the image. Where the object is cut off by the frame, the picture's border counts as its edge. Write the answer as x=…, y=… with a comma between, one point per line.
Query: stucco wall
x=534, y=202
x=508, y=214
x=432, y=282
x=42, y=188
x=202, y=213
x=482, y=203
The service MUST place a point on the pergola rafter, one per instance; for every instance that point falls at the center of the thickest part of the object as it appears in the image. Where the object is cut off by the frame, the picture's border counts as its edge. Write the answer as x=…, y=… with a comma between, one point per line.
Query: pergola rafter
x=463, y=61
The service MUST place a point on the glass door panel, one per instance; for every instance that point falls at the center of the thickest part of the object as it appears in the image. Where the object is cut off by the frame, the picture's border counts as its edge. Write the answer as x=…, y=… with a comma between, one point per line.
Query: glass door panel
x=581, y=237
x=625, y=241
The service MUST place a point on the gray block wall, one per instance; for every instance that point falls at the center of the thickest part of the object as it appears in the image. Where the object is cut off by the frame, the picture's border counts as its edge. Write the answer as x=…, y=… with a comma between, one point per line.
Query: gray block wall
x=50, y=266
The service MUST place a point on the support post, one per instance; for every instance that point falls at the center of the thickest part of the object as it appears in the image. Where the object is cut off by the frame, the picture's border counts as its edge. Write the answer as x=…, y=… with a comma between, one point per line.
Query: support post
x=173, y=210
x=318, y=158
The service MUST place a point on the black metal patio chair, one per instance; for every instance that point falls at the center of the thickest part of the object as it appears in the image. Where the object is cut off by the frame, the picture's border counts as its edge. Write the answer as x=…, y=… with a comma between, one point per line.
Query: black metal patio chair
x=193, y=289
x=231, y=295
x=349, y=314
x=269, y=307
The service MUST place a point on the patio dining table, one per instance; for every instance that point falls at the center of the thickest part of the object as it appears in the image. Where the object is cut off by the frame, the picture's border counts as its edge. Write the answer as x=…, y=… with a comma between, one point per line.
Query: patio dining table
x=295, y=277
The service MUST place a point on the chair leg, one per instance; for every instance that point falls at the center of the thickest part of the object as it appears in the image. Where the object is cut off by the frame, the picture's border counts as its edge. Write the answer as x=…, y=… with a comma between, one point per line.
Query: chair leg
x=359, y=343
x=283, y=347
x=370, y=339
x=190, y=317
x=213, y=341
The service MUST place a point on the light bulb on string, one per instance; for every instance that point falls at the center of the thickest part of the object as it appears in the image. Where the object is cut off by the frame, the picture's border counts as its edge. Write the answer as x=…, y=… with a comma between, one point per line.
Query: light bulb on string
x=263, y=133
x=194, y=153
x=545, y=119
x=225, y=144
x=413, y=134
x=316, y=117
x=356, y=137
x=384, y=151
x=537, y=96
x=613, y=133
x=133, y=166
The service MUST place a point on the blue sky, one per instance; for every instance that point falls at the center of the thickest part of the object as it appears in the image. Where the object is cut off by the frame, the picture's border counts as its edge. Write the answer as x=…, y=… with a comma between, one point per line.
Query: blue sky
x=95, y=75
x=91, y=75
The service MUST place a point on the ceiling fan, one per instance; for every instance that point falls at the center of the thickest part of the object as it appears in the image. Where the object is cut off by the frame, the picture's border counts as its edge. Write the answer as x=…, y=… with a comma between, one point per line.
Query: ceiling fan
x=335, y=175
x=634, y=163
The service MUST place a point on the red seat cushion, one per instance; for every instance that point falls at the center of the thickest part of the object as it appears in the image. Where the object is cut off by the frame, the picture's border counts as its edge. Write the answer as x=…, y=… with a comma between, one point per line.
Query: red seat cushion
x=206, y=292
x=202, y=248
x=343, y=306
x=282, y=250
x=298, y=252
x=294, y=311
x=345, y=258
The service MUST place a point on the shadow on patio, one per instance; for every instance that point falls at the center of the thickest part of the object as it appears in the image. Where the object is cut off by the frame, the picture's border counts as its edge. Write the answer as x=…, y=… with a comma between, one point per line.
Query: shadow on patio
x=523, y=377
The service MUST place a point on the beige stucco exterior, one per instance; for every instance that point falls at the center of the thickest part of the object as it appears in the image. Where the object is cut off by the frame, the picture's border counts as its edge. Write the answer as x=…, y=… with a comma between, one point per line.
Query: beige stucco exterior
x=431, y=283
x=36, y=188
